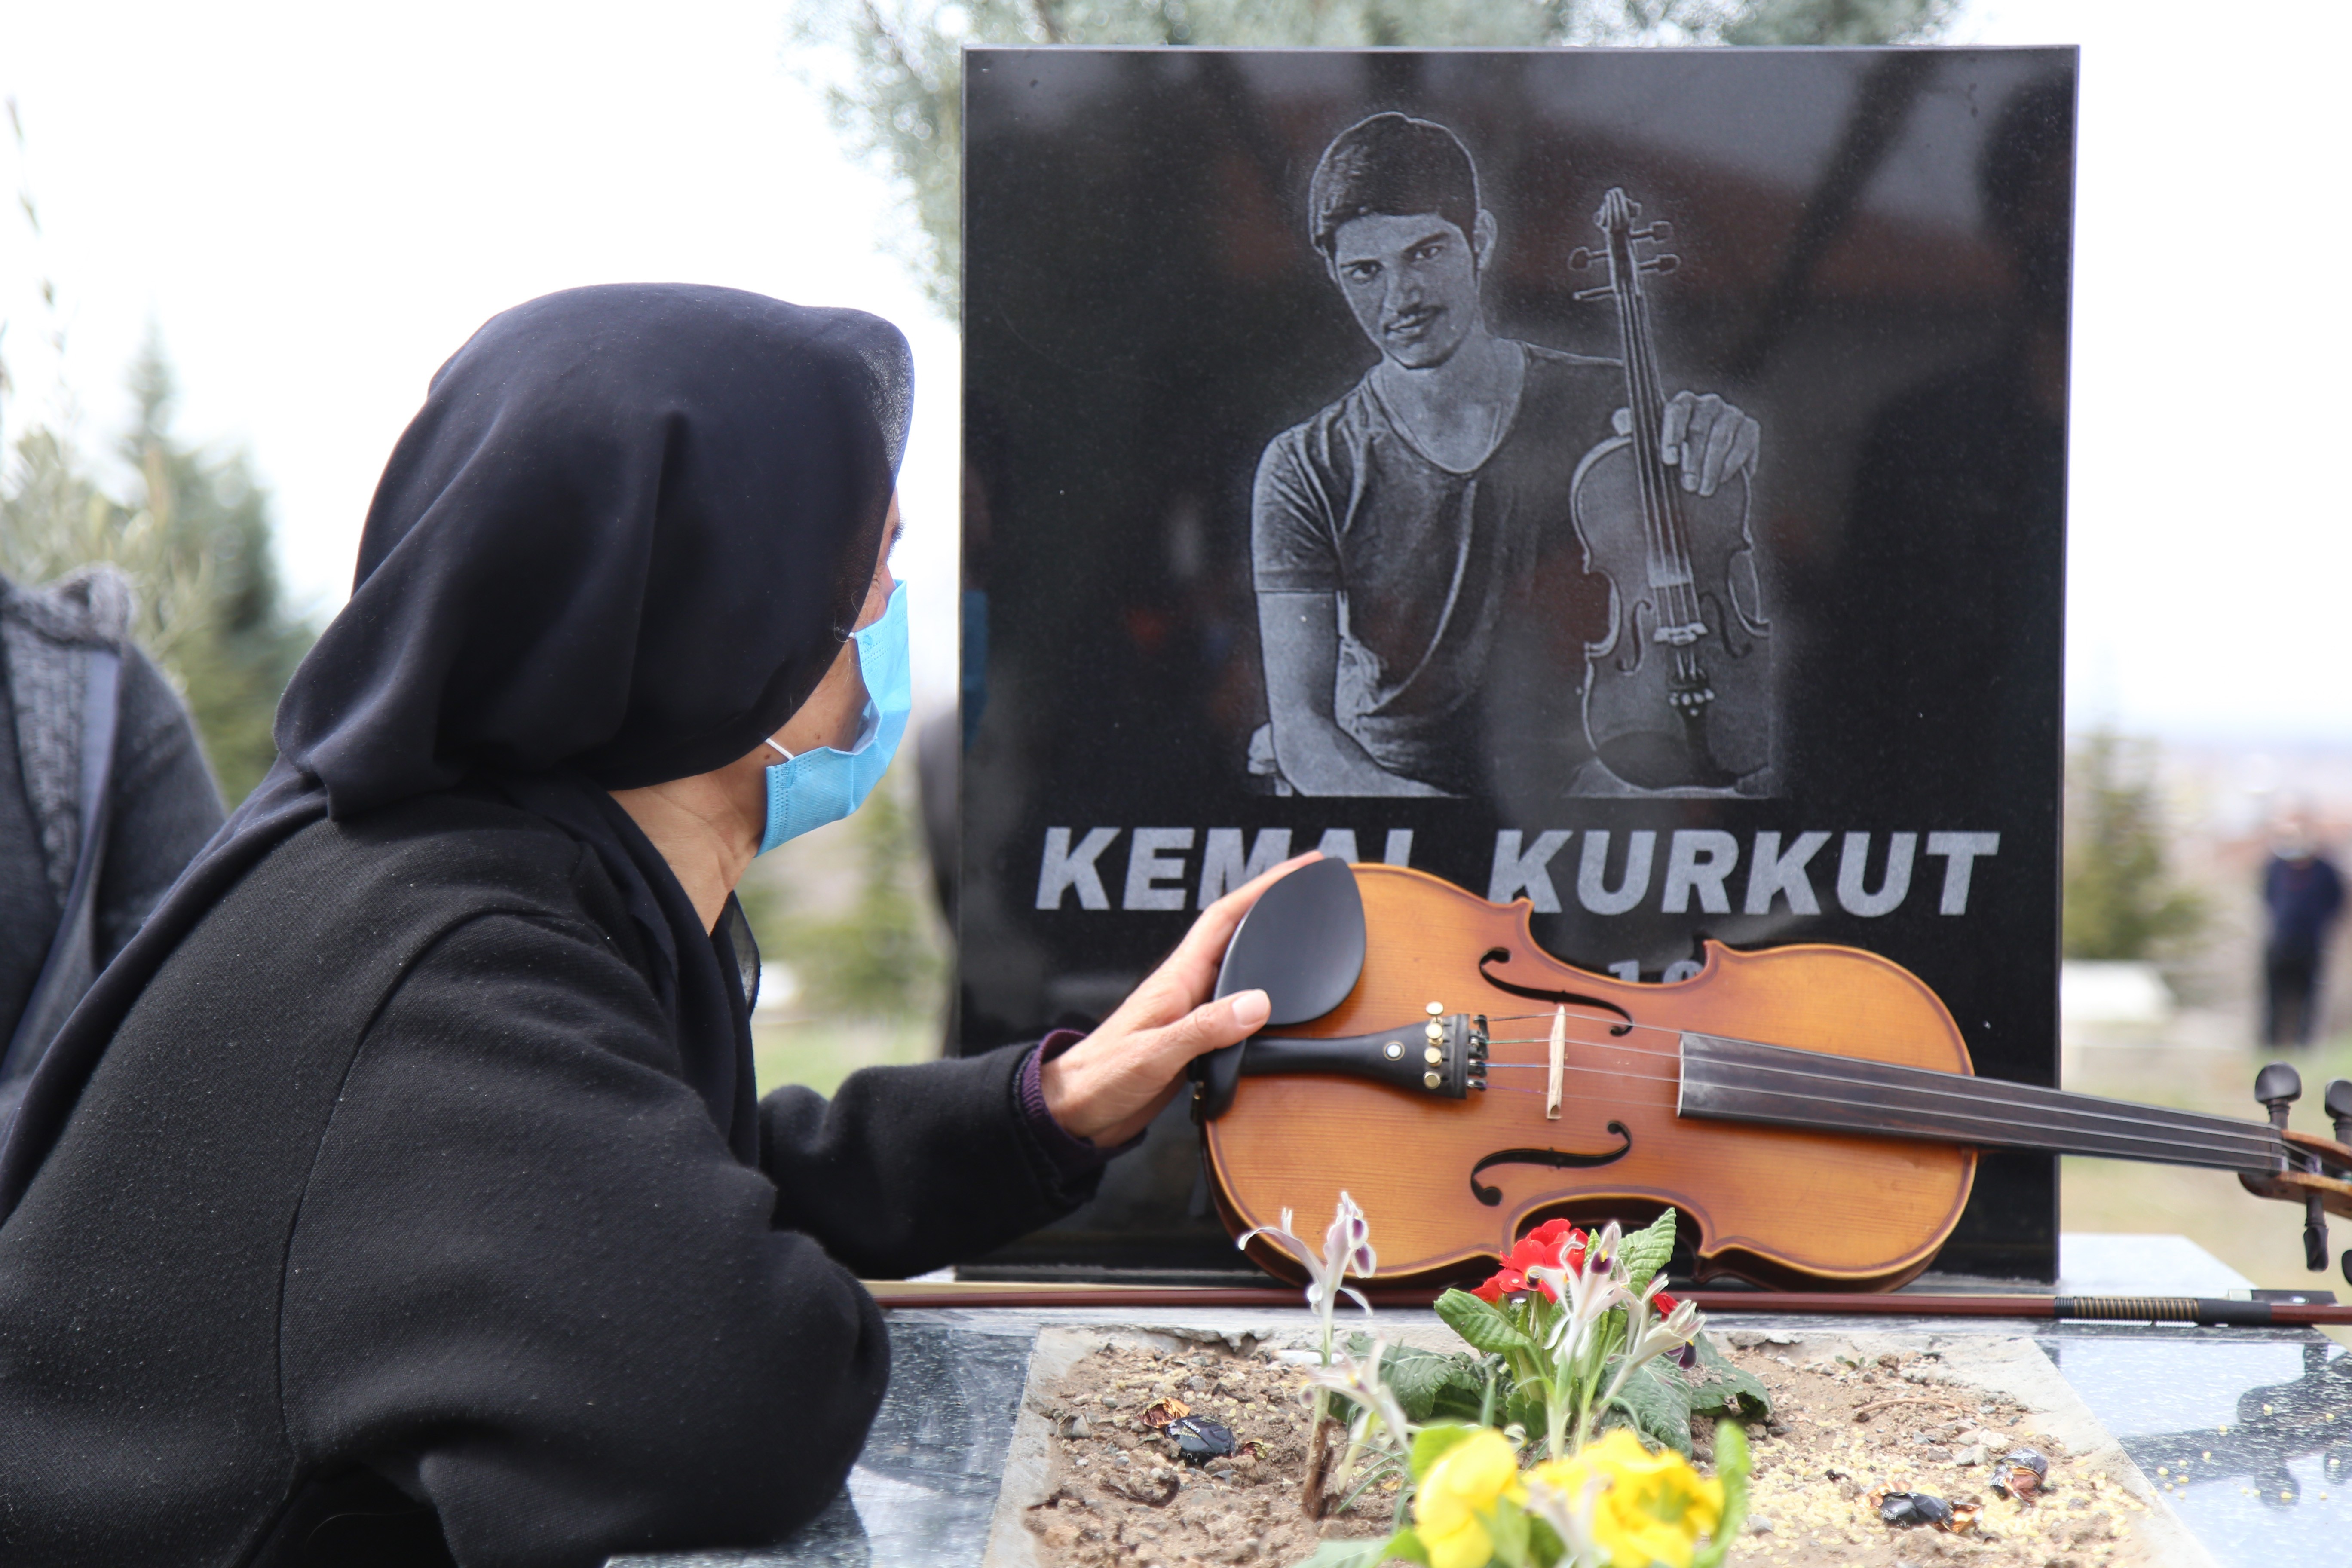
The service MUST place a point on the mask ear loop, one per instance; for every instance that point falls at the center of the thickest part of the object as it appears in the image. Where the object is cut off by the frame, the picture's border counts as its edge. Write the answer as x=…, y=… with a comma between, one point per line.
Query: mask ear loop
x=770, y=743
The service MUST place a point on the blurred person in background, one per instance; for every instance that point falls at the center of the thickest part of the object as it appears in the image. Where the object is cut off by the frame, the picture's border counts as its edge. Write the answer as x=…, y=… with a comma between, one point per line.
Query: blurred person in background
x=104, y=798
x=2302, y=893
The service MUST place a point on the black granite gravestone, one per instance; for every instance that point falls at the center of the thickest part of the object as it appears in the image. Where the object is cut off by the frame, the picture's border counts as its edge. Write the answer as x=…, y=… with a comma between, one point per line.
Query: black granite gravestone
x=1300, y=513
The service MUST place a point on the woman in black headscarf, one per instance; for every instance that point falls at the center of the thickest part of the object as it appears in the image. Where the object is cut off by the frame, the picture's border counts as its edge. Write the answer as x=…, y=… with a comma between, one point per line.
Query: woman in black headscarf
x=401, y=1193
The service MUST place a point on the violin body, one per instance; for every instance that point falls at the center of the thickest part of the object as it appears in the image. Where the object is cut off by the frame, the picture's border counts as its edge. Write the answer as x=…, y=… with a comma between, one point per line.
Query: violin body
x=1659, y=714
x=1774, y=1204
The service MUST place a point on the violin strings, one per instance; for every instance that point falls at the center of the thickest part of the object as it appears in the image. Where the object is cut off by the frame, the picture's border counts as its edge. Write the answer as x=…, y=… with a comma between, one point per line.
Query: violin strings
x=2253, y=1128
x=1826, y=1099
x=2233, y=1127
x=2253, y=1133
x=1591, y=1099
x=2010, y=1115
x=2234, y=1130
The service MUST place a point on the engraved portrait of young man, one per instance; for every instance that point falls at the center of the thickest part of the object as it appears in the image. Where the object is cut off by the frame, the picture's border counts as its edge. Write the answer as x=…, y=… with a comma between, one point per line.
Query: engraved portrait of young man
x=1425, y=605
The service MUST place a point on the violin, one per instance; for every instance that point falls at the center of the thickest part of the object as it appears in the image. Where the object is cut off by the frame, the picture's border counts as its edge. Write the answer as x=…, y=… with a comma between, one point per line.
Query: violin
x=1678, y=691
x=1810, y=1110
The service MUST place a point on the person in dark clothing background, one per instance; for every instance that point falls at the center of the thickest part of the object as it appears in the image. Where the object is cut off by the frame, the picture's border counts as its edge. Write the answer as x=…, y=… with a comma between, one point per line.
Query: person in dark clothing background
x=104, y=798
x=400, y=1195
x=2302, y=893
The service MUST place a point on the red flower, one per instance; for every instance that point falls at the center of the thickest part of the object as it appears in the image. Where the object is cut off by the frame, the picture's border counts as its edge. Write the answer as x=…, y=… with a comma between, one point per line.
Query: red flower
x=1507, y=1282
x=1555, y=1244
x=1664, y=1304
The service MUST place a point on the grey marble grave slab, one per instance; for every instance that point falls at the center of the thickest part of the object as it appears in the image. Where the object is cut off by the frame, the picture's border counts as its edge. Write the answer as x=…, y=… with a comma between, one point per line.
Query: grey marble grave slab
x=2245, y=1434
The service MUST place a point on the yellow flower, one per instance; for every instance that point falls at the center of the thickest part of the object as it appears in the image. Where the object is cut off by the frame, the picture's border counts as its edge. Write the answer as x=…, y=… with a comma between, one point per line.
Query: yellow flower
x=1464, y=1483
x=1653, y=1508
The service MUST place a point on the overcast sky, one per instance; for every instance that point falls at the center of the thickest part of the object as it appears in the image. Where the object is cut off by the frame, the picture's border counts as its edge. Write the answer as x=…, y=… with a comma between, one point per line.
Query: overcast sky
x=317, y=204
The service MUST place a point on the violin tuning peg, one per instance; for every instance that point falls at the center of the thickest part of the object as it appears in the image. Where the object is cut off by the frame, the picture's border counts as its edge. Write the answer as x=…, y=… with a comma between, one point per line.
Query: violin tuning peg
x=2278, y=1086
x=1662, y=264
x=2338, y=1103
x=1580, y=259
x=1660, y=232
x=1604, y=292
x=2315, y=1234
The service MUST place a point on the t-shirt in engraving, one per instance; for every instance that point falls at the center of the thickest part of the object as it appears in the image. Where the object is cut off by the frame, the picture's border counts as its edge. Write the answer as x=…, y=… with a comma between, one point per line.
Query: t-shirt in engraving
x=1463, y=603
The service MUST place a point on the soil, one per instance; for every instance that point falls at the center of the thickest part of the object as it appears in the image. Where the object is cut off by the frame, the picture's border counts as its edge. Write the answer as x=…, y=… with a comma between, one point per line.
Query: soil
x=1117, y=1492
x=1842, y=1431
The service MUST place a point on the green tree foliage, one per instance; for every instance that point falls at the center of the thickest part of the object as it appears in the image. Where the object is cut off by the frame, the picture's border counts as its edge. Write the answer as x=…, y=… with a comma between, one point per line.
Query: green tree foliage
x=2121, y=901
x=193, y=535
x=897, y=100
x=881, y=956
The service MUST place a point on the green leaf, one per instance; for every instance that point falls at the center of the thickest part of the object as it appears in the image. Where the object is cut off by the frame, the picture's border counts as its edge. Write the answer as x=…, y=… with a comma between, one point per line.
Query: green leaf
x=1718, y=1388
x=1431, y=1442
x=1423, y=1380
x=1525, y=1407
x=1507, y=1528
x=1646, y=1251
x=1659, y=1404
x=1462, y=1397
x=1484, y=1327
x=1366, y=1553
x=1543, y=1541
x=1731, y=1466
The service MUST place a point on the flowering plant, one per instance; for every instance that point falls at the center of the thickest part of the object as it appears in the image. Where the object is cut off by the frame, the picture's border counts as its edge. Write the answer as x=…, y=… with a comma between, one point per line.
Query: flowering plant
x=1614, y=1504
x=1574, y=1336
x=1346, y=1250
x=1587, y=1334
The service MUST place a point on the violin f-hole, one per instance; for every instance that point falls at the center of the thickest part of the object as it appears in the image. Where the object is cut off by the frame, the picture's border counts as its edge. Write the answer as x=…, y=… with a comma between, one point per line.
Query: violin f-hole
x=1556, y=1159
x=1558, y=998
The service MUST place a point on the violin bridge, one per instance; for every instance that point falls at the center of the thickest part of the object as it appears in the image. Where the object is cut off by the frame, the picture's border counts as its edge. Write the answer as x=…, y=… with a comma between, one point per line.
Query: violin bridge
x=1558, y=1053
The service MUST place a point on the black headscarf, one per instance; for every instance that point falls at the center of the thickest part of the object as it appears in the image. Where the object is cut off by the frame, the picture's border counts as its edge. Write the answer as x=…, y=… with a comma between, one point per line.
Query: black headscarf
x=620, y=544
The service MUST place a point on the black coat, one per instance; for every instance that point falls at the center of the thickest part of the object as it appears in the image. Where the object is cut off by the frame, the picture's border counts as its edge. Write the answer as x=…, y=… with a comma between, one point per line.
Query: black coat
x=389, y=1191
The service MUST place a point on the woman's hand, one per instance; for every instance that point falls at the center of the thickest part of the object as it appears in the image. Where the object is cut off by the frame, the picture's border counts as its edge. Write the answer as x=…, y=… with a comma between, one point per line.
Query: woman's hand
x=1111, y=1084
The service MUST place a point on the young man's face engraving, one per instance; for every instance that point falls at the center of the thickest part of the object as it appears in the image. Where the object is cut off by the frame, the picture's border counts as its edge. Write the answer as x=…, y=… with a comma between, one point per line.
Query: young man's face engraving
x=1412, y=282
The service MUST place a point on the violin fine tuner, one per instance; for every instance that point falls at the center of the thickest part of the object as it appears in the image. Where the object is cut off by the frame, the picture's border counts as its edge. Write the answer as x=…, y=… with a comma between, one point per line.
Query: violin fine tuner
x=1452, y=1059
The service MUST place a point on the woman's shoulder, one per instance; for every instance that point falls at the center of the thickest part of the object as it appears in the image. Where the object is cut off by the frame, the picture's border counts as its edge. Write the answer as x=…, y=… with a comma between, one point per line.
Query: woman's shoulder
x=438, y=861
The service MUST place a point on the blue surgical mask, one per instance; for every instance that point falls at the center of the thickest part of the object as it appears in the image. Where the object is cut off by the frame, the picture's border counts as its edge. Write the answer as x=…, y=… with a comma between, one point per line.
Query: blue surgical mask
x=823, y=786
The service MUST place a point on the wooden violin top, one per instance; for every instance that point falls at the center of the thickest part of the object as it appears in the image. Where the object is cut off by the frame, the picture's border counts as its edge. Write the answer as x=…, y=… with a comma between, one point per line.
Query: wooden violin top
x=1449, y=1183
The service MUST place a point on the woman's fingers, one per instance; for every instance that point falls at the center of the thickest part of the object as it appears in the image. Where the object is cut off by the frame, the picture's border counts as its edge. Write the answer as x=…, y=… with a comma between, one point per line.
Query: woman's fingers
x=1109, y=1084
x=1193, y=964
x=1212, y=1025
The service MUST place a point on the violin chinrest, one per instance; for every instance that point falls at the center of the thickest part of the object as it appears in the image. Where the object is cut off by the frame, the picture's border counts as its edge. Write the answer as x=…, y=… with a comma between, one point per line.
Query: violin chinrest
x=1303, y=944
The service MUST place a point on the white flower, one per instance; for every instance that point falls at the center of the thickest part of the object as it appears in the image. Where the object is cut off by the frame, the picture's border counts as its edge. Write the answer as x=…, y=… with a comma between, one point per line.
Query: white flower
x=1570, y=1517
x=1362, y=1381
x=1589, y=1289
x=1346, y=1250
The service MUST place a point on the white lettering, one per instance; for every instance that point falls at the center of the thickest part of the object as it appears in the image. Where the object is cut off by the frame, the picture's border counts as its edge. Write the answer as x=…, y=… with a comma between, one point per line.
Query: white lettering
x=1223, y=867
x=1398, y=851
x=1963, y=849
x=1769, y=872
x=1066, y=869
x=1853, y=861
x=1147, y=868
x=1641, y=848
x=1514, y=872
x=1628, y=969
x=1338, y=843
x=1699, y=861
